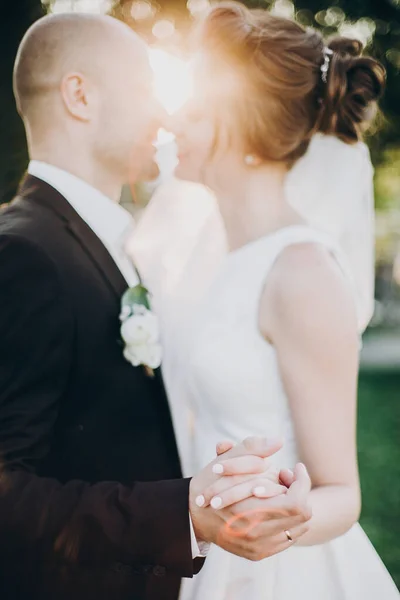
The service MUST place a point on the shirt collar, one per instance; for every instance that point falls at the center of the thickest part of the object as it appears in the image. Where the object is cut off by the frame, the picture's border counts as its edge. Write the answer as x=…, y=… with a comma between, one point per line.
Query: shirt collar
x=109, y=221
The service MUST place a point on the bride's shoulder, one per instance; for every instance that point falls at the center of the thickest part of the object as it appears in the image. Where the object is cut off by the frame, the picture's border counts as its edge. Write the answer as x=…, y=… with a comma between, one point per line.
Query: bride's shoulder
x=304, y=280
x=300, y=266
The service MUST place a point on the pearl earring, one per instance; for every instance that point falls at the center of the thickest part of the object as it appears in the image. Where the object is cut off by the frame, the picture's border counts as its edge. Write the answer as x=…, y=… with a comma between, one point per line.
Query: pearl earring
x=250, y=160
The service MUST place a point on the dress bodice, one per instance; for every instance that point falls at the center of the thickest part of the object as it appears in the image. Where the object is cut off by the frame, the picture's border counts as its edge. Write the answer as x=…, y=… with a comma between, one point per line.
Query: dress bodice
x=232, y=372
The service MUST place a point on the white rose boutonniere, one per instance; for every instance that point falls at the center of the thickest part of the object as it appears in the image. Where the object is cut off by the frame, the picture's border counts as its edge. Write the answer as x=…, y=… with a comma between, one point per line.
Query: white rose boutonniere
x=140, y=330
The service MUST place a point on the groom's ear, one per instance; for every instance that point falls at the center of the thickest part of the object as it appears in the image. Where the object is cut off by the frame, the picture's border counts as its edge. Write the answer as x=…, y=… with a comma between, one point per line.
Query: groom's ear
x=77, y=96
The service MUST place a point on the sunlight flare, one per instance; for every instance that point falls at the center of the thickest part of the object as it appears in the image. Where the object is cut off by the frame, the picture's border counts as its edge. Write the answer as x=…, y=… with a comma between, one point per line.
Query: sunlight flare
x=172, y=79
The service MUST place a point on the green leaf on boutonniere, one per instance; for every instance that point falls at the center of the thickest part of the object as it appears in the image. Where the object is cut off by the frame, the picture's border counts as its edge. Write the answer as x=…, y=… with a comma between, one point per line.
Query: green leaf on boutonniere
x=136, y=295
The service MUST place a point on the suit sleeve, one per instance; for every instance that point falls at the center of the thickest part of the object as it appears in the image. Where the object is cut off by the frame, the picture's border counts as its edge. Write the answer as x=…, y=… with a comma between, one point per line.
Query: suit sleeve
x=102, y=524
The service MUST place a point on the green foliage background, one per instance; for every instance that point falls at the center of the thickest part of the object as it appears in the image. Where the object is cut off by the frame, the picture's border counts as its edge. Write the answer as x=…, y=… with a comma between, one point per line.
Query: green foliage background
x=379, y=459
x=15, y=19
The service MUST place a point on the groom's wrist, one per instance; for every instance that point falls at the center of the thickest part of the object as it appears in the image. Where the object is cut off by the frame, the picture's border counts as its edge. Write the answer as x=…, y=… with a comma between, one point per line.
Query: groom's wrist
x=200, y=548
x=197, y=523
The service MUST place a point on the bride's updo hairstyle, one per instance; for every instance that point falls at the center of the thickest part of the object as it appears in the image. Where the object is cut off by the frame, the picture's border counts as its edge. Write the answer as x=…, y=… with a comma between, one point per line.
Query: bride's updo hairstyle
x=292, y=83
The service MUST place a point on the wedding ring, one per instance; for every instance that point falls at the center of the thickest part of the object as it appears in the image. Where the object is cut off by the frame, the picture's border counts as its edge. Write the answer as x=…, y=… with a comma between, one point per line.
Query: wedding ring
x=289, y=537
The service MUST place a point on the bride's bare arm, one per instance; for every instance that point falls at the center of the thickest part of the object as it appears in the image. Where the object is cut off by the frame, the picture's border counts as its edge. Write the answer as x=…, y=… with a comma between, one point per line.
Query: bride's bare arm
x=307, y=312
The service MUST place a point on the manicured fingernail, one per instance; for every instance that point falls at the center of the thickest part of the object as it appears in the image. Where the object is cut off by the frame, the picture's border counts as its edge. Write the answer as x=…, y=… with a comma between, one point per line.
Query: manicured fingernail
x=259, y=491
x=216, y=502
x=200, y=501
x=218, y=469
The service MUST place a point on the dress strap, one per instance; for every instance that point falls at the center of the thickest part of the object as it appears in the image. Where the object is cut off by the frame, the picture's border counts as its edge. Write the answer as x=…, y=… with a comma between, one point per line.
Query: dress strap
x=263, y=254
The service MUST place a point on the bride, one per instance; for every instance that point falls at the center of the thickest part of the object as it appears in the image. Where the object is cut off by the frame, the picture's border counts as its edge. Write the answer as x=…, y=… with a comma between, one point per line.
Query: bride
x=262, y=303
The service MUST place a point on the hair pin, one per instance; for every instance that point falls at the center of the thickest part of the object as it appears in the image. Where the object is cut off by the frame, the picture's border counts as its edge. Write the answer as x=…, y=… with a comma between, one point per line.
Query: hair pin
x=327, y=53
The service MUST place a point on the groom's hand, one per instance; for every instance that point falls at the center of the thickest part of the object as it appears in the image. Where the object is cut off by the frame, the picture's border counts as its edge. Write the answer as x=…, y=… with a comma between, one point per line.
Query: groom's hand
x=256, y=528
x=239, y=464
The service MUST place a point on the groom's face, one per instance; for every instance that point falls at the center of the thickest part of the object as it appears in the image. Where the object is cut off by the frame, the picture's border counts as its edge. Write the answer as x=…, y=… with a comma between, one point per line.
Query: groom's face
x=129, y=117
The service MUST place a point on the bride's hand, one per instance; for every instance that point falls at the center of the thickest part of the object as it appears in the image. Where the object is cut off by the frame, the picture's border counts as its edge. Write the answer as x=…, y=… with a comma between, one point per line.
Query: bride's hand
x=258, y=527
x=235, y=488
x=240, y=463
x=270, y=483
x=286, y=476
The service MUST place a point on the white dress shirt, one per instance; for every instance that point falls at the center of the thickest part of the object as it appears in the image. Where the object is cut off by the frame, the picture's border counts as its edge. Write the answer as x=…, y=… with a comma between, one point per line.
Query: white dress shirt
x=108, y=220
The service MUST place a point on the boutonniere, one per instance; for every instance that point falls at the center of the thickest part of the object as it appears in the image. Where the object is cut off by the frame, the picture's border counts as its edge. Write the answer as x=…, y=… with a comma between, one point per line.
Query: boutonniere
x=140, y=330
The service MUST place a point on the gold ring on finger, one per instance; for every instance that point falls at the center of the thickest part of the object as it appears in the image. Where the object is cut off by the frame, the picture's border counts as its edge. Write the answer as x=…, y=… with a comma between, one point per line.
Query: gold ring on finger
x=289, y=537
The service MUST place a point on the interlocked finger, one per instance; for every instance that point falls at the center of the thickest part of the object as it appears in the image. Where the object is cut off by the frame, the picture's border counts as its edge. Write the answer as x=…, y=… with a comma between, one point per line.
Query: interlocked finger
x=256, y=446
x=301, y=486
x=240, y=465
x=237, y=493
x=223, y=447
x=223, y=483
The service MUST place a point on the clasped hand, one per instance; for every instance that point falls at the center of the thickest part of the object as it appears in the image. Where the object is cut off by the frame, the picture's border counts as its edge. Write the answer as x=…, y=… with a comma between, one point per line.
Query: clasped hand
x=244, y=506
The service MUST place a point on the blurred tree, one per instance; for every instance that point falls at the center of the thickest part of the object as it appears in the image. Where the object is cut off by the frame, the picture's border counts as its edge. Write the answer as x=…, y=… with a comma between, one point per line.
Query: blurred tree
x=16, y=17
x=142, y=14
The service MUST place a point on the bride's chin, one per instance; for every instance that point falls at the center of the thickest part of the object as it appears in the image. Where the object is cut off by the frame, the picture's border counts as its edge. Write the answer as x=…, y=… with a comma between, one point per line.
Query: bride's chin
x=184, y=174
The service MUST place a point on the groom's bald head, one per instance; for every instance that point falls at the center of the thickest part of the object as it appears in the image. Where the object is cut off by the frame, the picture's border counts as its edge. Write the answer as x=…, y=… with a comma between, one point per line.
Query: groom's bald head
x=86, y=80
x=60, y=44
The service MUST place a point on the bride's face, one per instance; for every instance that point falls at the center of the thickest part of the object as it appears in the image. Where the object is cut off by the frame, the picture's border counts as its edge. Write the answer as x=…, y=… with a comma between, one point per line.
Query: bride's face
x=205, y=133
x=195, y=132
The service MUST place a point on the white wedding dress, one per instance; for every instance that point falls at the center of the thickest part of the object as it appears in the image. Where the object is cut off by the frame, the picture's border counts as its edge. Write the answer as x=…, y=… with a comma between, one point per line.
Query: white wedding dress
x=233, y=382
x=224, y=383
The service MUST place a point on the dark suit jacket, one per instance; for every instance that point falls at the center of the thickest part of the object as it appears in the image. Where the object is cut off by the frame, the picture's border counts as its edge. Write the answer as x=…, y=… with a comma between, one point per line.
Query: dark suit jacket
x=92, y=504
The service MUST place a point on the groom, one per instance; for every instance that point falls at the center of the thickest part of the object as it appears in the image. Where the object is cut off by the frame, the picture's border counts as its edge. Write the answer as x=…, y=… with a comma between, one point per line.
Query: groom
x=92, y=503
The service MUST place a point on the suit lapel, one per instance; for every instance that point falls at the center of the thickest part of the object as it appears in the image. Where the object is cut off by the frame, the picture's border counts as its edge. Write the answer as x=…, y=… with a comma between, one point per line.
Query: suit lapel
x=39, y=191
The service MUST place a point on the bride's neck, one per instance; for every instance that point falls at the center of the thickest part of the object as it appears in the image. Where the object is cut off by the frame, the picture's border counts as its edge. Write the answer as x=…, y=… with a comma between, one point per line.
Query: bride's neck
x=255, y=207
